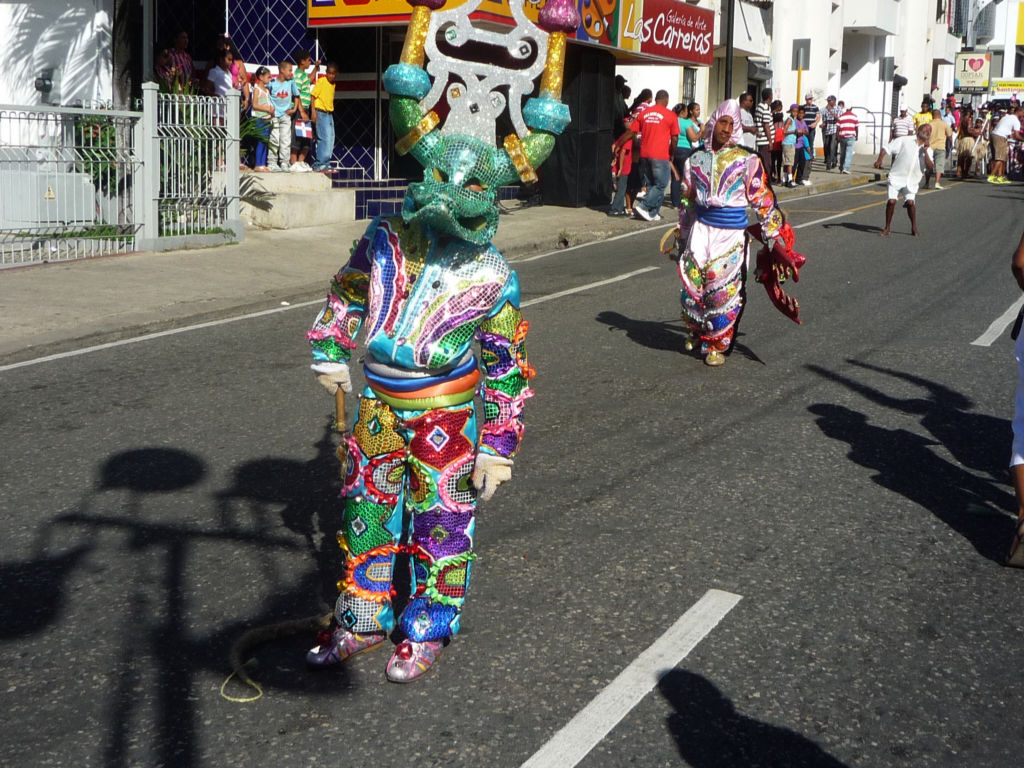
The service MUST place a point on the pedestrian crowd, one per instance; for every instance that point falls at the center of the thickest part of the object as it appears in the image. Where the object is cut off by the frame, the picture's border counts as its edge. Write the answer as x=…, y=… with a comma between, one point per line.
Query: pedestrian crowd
x=652, y=142
x=288, y=117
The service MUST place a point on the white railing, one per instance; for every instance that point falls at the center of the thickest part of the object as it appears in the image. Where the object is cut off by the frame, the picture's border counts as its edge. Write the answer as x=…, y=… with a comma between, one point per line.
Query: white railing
x=76, y=183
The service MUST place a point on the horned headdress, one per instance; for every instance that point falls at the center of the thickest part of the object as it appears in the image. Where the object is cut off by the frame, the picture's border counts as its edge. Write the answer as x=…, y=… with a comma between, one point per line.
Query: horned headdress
x=463, y=164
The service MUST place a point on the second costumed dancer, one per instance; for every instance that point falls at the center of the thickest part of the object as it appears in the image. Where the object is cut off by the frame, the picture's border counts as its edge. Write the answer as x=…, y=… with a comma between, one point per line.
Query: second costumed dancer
x=719, y=182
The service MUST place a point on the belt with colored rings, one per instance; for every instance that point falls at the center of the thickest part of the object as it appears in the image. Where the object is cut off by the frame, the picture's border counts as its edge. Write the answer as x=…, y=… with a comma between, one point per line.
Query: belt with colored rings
x=452, y=392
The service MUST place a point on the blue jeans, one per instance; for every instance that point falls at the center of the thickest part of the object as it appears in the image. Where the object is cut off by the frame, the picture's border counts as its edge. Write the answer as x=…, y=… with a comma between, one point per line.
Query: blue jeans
x=619, y=201
x=846, y=152
x=657, y=174
x=324, y=139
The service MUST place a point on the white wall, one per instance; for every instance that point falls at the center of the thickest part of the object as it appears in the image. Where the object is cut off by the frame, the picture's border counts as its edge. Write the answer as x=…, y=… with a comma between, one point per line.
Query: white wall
x=72, y=35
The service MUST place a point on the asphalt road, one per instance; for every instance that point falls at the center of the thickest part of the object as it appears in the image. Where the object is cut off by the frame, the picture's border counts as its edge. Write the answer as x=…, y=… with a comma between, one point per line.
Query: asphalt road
x=845, y=478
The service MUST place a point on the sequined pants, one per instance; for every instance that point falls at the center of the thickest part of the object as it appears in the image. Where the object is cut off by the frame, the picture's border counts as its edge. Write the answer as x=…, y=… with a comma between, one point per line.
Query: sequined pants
x=712, y=268
x=408, y=467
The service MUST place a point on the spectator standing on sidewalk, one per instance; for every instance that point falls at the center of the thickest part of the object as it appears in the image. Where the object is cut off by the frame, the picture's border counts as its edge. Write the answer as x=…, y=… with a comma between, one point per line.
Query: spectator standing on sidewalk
x=749, y=139
x=779, y=134
x=622, y=165
x=263, y=112
x=303, y=84
x=765, y=130
x=925, y=115
x=658, y=128
x=323, y=115
x=829, y=126
x=902, y=125
x=812, y=117
x=801, y=156
x=847, y=131
x=684, y=147
x=942, y=134
x=285, y=98
x=789, y=136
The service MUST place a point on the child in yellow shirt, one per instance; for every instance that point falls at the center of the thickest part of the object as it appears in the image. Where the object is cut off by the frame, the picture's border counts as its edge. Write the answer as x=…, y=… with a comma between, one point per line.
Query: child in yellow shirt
x=323, y=117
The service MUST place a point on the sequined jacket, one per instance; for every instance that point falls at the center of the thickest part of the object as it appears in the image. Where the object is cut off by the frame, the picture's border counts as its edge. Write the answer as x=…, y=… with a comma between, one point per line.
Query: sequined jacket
x=423, y=302
x=732, y=177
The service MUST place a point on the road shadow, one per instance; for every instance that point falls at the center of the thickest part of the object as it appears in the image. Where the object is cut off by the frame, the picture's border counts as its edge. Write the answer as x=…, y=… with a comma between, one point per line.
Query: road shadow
x=852, y=225
x=969, y=494
x=161, y=656
x=661, y=335
x=710, y=733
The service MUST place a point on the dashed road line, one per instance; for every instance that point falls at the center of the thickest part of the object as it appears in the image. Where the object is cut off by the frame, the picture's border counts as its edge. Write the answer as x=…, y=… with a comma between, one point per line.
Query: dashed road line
x=999, y=325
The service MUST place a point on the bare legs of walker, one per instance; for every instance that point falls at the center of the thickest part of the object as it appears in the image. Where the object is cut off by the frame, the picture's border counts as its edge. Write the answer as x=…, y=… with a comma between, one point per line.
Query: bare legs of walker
x=890, y=206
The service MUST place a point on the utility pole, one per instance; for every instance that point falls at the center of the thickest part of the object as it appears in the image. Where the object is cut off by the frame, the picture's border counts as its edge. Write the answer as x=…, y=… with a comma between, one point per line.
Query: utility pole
x=727, y=20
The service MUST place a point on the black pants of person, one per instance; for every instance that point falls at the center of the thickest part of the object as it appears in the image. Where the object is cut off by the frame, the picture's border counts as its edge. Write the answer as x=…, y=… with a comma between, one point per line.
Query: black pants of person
x=800, y=165
x=830, y=145
x=805, y=172
x=678, y=161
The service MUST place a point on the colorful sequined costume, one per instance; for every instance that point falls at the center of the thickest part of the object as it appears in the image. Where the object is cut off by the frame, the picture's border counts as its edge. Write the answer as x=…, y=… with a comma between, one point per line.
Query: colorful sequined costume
x=719, y=188
x=423, y=301
x=425, y=287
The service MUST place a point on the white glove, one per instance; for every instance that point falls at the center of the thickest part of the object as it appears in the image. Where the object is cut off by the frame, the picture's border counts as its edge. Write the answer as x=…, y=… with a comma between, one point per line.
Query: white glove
x=489, y=472
x=332, y=376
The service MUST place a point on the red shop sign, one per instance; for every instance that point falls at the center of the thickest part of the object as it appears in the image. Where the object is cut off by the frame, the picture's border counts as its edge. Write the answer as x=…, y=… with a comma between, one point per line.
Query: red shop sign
x=670, y=29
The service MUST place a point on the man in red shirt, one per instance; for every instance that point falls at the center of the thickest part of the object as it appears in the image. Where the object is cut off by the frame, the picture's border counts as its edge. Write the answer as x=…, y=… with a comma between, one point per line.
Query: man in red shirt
x=658, y=128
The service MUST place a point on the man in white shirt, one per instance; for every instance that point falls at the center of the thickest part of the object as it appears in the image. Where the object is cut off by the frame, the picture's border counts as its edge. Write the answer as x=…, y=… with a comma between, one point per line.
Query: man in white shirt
x=749, y=138
x=911, y=157
x=1007, y=128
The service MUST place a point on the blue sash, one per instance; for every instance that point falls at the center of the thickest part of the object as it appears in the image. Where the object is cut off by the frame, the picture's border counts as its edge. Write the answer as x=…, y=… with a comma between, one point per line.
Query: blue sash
x=722, y=218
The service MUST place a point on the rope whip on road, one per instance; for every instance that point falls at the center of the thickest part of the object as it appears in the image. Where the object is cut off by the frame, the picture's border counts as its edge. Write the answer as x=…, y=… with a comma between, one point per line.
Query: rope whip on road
x=257, y=636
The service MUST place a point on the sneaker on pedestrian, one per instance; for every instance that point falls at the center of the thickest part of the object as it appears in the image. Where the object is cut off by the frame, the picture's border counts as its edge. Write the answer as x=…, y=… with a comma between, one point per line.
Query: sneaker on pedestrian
x=643, y=213
x=1003, y=180
x=657, y=216
x=806, y=182
x=844, y=171
x=616, y=213
x=641, y=194
x=991, y=179
x=939, y=186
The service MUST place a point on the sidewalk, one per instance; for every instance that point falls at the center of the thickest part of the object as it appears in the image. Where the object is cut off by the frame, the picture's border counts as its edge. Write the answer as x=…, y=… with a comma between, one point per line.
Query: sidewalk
x=51, y=308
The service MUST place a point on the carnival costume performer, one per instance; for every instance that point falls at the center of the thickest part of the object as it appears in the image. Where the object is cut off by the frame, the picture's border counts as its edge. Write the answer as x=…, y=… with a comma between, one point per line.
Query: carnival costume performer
x=425, y=285
x=720, y=181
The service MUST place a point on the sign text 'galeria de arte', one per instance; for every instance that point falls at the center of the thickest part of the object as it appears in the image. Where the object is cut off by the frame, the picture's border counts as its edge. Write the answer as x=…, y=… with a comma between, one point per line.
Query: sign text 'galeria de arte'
x=666, y=30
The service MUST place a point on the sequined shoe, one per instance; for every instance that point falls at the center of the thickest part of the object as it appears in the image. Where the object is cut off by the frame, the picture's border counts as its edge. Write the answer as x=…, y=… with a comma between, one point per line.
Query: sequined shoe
x=714, y=358
x=413, y=660
x=691, y=342
x=334, y=647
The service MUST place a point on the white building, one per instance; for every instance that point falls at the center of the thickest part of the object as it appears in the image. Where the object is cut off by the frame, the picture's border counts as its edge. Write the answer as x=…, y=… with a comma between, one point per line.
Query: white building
x=69, y=41
x=844, y=42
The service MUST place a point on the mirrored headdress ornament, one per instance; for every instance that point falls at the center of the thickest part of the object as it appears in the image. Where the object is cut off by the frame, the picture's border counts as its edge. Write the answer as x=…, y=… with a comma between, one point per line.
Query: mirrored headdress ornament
x=479, y=76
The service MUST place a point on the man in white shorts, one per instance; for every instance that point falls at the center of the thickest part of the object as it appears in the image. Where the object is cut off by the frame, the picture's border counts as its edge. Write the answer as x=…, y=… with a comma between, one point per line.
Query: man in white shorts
x=1007, y=128
x=911, y=157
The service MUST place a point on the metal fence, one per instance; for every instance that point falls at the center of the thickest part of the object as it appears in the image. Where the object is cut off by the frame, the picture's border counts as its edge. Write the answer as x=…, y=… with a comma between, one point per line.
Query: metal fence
x=76, y=183
x=66, y=183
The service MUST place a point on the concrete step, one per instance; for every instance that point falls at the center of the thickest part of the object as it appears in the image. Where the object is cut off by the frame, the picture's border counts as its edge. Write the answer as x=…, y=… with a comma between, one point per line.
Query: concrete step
x=293, y=200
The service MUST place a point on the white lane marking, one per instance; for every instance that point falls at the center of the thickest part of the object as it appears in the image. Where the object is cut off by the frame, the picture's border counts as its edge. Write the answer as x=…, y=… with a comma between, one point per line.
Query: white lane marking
x=592, y=723
x=265, y=312
x=999, y=325
x=584, y=245
x=586, y=287
x=156, y=335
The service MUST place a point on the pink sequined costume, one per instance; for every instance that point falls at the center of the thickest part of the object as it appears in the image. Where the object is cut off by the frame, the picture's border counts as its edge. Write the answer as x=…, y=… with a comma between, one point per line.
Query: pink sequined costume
x=719, y=186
